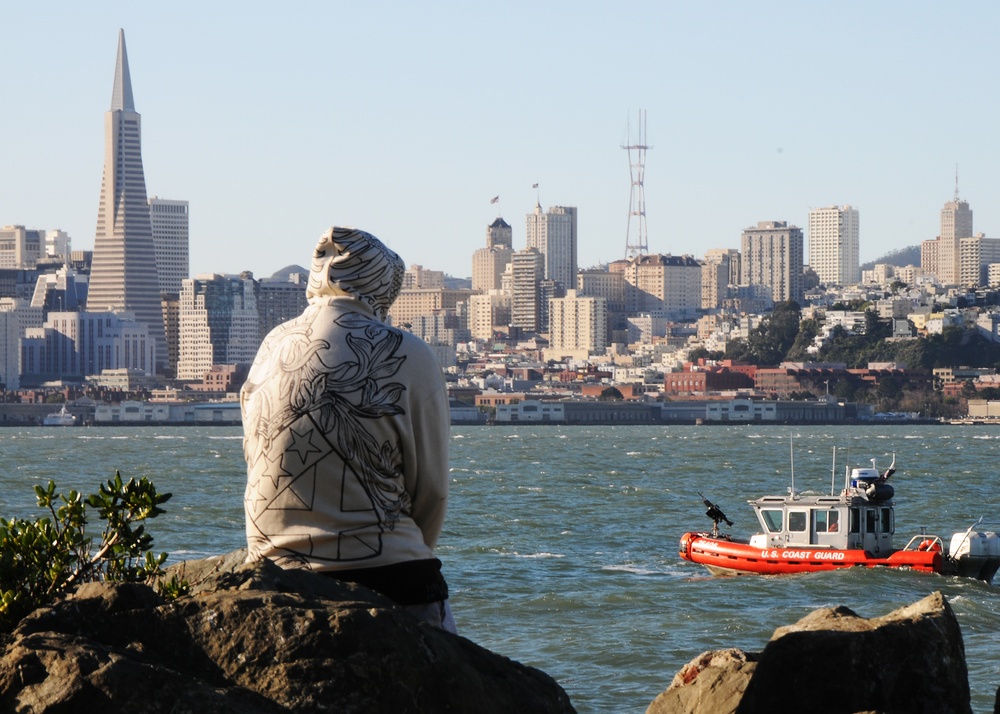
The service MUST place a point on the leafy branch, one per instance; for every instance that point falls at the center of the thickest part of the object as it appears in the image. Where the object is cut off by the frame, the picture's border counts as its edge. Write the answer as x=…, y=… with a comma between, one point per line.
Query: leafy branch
x=42, y=559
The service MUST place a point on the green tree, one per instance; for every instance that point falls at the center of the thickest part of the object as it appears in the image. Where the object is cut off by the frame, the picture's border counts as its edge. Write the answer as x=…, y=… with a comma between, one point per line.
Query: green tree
x=611, y=393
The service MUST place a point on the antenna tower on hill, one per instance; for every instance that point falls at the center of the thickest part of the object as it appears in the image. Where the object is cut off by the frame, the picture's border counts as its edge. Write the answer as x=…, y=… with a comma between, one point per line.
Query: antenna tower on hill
x=636, y=243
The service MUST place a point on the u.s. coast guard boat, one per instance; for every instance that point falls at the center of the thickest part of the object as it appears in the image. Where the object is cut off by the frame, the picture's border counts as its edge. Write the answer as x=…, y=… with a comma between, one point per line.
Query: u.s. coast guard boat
x=803, y=533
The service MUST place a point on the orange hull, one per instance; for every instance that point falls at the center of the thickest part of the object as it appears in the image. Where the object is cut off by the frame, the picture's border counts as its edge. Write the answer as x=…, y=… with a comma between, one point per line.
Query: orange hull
x=727, y=557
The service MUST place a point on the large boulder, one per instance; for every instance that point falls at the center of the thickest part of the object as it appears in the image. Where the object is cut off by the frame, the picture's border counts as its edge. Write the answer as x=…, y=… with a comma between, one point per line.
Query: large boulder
x=911, y=660
x=253, y=639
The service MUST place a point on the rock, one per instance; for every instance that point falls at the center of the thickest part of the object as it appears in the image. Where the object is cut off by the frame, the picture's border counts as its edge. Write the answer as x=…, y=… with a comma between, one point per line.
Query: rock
x=254, y=639
x=712, y=682
x=832, y=660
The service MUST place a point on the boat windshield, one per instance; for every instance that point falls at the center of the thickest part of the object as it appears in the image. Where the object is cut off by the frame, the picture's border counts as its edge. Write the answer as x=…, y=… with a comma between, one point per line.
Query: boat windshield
x=772, y=519
x=827, y=521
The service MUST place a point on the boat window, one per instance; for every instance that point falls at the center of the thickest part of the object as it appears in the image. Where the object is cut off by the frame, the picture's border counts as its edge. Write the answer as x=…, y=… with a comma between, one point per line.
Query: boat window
x=827, y=521
x=869, y=520
x=796, y=520
x=855, y=521
x=772, y=520
x=886, y=520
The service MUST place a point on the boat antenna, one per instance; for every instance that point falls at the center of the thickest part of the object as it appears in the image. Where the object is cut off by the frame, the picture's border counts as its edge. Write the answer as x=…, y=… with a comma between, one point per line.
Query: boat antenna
x=791, y=457
x=833, y=472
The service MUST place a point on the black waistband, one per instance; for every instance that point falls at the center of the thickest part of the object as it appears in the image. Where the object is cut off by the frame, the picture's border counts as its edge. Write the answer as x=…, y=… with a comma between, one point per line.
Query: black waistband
x=412, y=582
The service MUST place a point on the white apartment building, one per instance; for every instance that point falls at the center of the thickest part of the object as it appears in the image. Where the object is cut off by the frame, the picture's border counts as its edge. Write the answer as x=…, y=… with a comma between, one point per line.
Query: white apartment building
x=169, y=223
x=771, y=256
x=975, y=255
x=487, y=313
x=834, y=244
x=219, y=324
x=554, y=235
x=578, y=326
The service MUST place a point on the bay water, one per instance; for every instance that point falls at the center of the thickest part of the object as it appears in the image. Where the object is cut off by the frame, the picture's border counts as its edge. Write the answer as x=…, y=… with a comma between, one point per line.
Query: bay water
x=560, y=545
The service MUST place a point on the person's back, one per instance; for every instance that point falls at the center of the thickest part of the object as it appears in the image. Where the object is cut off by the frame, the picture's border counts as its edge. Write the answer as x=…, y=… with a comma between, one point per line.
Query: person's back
x=346, y=433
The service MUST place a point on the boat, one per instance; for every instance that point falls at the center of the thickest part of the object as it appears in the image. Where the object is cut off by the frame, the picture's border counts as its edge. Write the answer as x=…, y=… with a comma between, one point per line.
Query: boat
x=854, y=528
x=59, y=418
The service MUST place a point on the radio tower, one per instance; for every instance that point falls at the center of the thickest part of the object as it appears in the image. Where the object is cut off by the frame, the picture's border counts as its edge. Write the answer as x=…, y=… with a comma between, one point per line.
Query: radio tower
x=636, y=244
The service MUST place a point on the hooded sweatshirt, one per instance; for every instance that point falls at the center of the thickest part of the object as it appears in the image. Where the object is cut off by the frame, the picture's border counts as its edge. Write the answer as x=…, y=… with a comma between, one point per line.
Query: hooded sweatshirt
x=345, y=423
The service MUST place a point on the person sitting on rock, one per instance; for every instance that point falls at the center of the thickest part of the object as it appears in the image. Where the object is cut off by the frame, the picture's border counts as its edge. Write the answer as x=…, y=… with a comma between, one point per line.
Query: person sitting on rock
x=346, y=428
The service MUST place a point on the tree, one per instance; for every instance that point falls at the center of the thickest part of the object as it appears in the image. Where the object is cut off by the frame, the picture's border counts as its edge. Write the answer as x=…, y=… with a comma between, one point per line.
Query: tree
x=611, y=393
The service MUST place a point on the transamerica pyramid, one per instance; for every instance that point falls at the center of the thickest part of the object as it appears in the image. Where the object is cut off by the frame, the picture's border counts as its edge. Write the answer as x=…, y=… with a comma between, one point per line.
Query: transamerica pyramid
x=123, y=274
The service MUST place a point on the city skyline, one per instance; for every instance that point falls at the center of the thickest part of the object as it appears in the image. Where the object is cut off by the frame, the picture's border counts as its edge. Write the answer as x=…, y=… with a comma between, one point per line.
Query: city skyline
x=363, y=117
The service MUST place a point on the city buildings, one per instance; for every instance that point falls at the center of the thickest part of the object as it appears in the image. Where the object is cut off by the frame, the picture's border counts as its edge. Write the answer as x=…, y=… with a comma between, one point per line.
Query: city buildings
x=772, y=257
x=554, y=235
x=21, y=248
x=578, y=326
x=489, y=263
x=667, y=283
x=527, y=273
x=73, y=345
x=124, y=274
x=169, y=225
x=834, y=244
x=219, y=324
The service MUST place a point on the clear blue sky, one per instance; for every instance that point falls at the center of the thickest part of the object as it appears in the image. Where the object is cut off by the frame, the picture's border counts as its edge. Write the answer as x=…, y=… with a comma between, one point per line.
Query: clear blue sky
x=405, y=118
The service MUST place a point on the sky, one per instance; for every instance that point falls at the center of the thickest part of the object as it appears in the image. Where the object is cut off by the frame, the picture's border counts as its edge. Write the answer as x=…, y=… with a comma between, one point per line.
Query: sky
x=277, y=121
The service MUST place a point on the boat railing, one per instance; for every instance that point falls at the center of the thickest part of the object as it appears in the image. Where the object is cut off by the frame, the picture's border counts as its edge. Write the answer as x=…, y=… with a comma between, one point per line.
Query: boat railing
x=925, y=542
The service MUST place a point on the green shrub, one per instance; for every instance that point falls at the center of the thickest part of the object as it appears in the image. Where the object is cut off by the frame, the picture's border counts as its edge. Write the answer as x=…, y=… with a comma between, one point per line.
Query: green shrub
x=43, y=559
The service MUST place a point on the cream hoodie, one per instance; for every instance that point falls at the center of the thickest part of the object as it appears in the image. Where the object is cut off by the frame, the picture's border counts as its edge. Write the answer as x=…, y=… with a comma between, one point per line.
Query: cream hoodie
x=345, y=423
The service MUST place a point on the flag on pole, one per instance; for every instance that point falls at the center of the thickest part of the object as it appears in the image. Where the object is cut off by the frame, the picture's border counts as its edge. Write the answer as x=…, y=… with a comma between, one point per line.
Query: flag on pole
x=495, y=199
x=534, y=185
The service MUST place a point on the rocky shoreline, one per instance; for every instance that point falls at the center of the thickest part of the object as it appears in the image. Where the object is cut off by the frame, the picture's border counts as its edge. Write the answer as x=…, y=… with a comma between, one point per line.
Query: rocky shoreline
x=255, y=639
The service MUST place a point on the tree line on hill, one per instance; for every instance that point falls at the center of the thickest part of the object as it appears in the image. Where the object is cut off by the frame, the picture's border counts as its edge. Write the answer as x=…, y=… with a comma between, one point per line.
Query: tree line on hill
x=784, y=336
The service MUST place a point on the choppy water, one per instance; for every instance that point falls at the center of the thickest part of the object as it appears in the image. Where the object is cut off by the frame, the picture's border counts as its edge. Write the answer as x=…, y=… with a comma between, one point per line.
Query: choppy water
x=560, y=545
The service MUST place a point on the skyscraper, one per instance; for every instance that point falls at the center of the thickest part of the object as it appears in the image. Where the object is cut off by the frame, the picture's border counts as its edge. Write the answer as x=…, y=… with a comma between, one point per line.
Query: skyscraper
x=771, y=255
x=834, y=244
x=489, y=263
x=123, y=276
x=169, y=223
x=554, y=235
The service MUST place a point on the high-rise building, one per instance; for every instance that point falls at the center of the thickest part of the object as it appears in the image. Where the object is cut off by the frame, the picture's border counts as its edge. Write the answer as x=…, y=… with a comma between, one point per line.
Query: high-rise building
x=942, y=256
x=771, y=255
x=21, y=248
x=489, y=263
x=169, y=222
x=123, y=276
x=578, y=326
x=218, y=324
x=663, y=283
x=975, y=254
x=554, y=235
x=499, y=234
x=488, y=314
x=717, y=274
x=527, y=274
x=16, y=316
x=280, y=298
x=834, y=244
x=956, y=219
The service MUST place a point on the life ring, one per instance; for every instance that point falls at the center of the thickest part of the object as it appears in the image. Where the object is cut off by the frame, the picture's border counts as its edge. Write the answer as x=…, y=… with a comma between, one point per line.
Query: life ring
x=928, y=544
